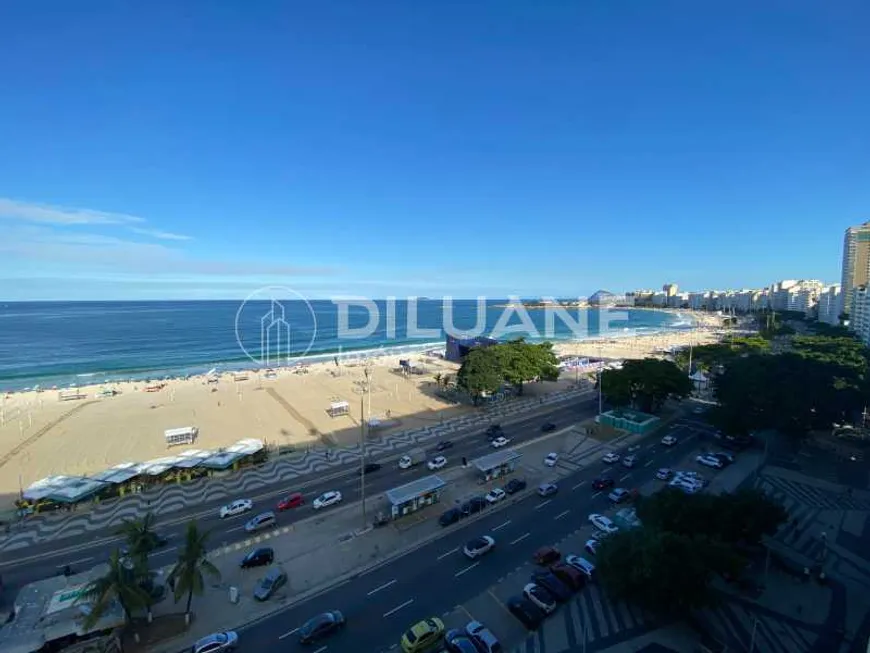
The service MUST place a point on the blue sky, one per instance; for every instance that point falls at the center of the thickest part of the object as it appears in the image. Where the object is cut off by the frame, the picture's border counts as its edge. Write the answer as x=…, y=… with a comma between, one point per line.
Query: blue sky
x=205, y=149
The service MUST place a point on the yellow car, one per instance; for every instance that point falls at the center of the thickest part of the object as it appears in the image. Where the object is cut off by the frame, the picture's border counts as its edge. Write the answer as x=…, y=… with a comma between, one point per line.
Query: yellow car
x=423, y=635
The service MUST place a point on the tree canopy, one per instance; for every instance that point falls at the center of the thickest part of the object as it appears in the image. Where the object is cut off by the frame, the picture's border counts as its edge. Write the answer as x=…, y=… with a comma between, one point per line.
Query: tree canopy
x=485, y=369
x=710, y=357
x=645, y=384
x=188, y=574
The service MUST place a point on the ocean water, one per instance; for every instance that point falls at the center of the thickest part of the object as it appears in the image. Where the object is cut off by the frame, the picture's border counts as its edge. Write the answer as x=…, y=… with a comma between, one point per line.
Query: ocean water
x=65, y=343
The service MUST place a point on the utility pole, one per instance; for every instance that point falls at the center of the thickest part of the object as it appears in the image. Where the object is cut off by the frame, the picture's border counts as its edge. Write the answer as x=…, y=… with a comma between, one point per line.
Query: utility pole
x=362, y=459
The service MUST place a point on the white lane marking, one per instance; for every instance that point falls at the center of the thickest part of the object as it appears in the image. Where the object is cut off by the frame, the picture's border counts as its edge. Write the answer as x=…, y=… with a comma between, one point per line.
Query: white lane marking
x=295, y=630
x=398, y=607
x=320, y=650
x=542, y=504
x=520, y=538
x=648, y=463
x=596, y=494
x=237, y=528
x=448, y=553
x=382, y=587
x=75, y=562
x=622, y=478
x=578, y=485
x=166, y=550
x=500, y=526
x=561, y=514
x=467, y=569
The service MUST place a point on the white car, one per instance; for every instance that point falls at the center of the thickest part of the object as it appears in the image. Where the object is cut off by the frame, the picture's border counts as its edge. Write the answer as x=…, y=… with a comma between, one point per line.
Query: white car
x=581, y=564
x=551, y=459
x=540, y=597
x=591, y=546
x=695, y=477
x=327, y=499
x=478, y=547
x=500, y=442
x=611, y=458
x=603, y=524
x=669, y=440
x=685, y=485
x=437, y=463
x=709, y=461
x=495, y=496
x=236, y=508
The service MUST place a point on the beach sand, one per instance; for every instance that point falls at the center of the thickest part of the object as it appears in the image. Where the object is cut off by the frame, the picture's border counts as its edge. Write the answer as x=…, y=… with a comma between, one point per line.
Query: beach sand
x=42, y=436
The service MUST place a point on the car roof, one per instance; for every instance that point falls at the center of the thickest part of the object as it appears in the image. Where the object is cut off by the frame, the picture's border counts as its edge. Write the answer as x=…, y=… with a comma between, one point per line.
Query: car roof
x=214, y=638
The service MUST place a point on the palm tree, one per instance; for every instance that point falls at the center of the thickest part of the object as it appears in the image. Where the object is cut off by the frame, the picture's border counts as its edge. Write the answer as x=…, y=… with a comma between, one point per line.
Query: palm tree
x=118, y=584
x=187, y=574
x=140, y=538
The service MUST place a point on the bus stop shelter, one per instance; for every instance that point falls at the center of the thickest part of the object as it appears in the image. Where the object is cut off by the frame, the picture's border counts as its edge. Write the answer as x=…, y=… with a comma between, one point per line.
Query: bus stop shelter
x=415, y=495
x=497, y=464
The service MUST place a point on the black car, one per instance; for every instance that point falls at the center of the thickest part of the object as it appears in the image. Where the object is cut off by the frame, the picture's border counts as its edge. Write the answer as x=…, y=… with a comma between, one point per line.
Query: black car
x=258, y=558
x=602, y=483
x=369, y=468
x=550, y=582
x=444, y=444
x=549, y=427
x=450, y=517
x=473, y=505
x=321, y=626
x=530, y=615
x=459, y=642
x=515, y=485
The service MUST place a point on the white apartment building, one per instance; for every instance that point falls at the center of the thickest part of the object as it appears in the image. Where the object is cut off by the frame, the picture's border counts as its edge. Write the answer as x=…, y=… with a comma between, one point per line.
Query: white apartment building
x=830, y=305
x=859, y=319
x=698, y=301
x=779, y=294
x=660, y=299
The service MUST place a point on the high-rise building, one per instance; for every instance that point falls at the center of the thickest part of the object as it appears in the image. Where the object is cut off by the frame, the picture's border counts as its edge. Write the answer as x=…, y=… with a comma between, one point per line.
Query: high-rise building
x=670, y=289
x=830, y=305
x=860, y=318
x=856, y=262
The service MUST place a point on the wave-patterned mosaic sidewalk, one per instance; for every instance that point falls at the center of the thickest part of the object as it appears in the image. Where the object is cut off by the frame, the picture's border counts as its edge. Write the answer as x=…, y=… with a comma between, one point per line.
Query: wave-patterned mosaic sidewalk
x=173, y=498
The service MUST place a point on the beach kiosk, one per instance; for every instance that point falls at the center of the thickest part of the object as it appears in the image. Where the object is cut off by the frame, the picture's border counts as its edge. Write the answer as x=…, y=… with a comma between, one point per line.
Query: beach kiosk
x=183, y=435
x=415, y=495
x=338, y=408
x=496, y=464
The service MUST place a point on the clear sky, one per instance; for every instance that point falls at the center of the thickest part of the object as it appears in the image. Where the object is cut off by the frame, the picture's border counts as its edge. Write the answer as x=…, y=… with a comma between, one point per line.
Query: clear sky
x=183, y=149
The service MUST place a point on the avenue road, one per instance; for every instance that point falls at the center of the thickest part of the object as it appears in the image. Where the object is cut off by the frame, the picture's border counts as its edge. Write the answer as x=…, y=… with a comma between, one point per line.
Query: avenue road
x=381, y=604
x=49, y=558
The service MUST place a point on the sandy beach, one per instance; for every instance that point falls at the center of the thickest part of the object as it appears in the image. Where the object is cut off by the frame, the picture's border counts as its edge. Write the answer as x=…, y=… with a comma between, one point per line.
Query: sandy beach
x=41, y=435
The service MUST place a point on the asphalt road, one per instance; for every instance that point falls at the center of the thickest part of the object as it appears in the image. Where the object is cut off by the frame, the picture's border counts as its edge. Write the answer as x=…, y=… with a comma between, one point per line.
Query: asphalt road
x=43, y=560
x=382, y=604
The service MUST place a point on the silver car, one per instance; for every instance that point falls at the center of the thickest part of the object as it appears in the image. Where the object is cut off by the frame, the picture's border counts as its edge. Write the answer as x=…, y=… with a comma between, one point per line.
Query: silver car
x=483, y=637
x=217, y=643
x=269, y=584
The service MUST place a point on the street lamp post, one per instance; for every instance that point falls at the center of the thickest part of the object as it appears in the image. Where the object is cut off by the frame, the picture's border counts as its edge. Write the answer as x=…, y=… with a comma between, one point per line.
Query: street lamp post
x=362, y=443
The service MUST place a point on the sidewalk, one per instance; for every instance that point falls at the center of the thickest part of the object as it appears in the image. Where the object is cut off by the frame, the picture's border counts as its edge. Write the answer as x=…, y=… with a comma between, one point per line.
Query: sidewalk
x=173, y=498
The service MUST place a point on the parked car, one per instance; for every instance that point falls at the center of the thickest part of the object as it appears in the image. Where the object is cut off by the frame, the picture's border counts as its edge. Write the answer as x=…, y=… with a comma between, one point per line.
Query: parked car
x=483, y=637
x=258, y=558
x=611, y=457
x=473, y=505
x=603, y=524
x=437, y=463
x=478, y=547
x=619, y=495
x=450, y=517
x=217, y=643
x=327, y=499
x=236, y=508
x=685, y=485
x=515, y=485
x=550, y=582
x=546, y=555
x=321, y=626
x=591, y=546
x=602, y=483
x=261, y=521
x=540, y=597
x=569, y=576
x=500, y=442
x=443, y=445
x=548, y=427
x=369, y=468
x=274, y=580
x=669, y=440
x=495, y=495
x=725, y=458
x=458, y=641
x=547, y=489
x=581, y=564
x=291, y=501
x=664, y=474
x=423, y=635
x=528, y=614
x=709, y=461
x=629, y=461
x=551, y=459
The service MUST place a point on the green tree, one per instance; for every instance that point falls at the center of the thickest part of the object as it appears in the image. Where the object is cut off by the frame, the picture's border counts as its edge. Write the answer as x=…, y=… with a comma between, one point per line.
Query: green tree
x=521, y=362
x=710, y=357
x=188, y=574
x=748, y=515
x=480, y=373
x=118, y=584
x=645, y=384
x=140, y=538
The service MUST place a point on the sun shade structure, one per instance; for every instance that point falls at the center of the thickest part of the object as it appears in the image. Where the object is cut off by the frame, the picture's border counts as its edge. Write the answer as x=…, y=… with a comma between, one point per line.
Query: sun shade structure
x=415, y=495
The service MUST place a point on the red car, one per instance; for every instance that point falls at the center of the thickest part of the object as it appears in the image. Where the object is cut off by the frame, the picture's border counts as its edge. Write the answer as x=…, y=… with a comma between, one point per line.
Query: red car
x=602, y=483
x=293, y=501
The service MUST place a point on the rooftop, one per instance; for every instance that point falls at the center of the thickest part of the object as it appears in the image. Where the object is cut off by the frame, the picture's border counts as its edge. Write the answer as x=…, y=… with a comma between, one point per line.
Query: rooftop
x=496, y=459
x=404, y=493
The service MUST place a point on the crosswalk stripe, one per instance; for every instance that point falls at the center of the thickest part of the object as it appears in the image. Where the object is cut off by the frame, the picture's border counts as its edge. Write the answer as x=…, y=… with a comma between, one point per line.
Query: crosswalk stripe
x=599, y=613
x=627, y=621
x=588, y=622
